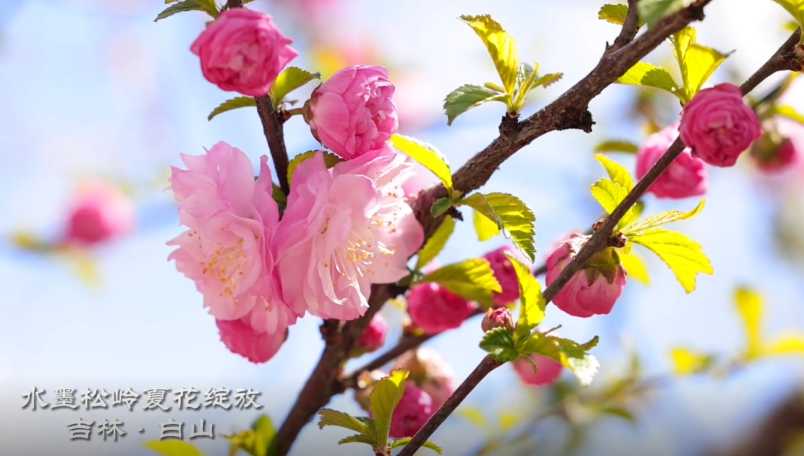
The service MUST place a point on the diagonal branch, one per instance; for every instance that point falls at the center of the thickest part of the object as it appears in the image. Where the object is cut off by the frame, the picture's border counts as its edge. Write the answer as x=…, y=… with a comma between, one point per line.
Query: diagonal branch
x=630, y=27
x=783, y=59
x=272, y=122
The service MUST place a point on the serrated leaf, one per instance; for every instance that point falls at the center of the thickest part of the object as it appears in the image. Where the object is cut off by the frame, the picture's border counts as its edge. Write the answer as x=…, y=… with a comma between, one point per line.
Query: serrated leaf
x=617, y=172
x=436, y=243
x=681, y=254
x=532, y=304
x=510, y=213
x=385, y=396
x=615, y=145
x=289, y=80
x=698, y=65
x=330, y=160
x=440, y=206
x=653, y=11
x=234, y=103
x=614, y=14
x=357, y=438
x=181, y=7
x=501, y=46
x=426, y=156
x=789, y=112
x=647, y=75
x=688, y=362
x=547, y=80
x=662, y=219
x=471, y=279
x=681, y=41
x=499, y=344
x=173, y=448
x=263, y=432
x=331, y=417
x=427, y=444
x=634, y=266
x=474, y=415
x=749, y=305
x=210, y=6
x=484, y=227
x=610, y=194
x=570, y=354
x=790, y=344
x=467, y=97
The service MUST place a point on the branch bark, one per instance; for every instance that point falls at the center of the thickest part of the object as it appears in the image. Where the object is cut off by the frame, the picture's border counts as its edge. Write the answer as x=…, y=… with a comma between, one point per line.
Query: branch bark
x=272, y=122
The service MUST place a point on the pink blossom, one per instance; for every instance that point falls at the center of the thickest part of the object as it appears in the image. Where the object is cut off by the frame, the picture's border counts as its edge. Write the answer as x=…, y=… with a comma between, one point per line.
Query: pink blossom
x=415, y=408
x=500, y=317
x=506, y=274
x=374, y=336
x=430, y=372
x=547, y=370
x=353, y=113
x=243, y=51
x=345, y=229
x=99, y=212
x=241, y=338
x=434, y=309
x=594, y=289
x=422, y=178
x=780, y=148
x=231, y=220
x=686, y=176
x=718, y=126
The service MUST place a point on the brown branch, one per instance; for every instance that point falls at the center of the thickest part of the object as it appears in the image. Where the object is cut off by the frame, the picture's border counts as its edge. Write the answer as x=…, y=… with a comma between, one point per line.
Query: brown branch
x=234, y=4
x=272, y=121
x=630, y=27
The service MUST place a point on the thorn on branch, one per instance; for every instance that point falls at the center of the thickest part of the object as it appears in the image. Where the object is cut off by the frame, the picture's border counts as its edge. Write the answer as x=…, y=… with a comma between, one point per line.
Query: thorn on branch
x=455, y=213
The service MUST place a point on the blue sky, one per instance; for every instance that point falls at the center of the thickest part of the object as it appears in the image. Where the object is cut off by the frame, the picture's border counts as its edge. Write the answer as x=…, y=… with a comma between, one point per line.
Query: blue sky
x=97, y=88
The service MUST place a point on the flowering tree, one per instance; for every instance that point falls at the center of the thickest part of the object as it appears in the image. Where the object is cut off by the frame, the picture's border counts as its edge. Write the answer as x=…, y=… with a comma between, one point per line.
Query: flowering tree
x=339, y=232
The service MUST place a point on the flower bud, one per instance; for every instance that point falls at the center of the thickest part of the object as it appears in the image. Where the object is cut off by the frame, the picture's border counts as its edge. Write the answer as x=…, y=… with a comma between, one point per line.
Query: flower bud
x=595, y=288
x=434, y=309
x=547, y=370
x=373, y=338
x=99, y=213
x=775, y=152
x=500, y=317
x=430, y=372
x=684, y=178
x=414, y=409
x=505, y=273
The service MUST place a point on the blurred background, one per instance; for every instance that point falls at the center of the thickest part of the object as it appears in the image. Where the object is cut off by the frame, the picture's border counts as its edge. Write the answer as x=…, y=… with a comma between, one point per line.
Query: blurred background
x=94, y=90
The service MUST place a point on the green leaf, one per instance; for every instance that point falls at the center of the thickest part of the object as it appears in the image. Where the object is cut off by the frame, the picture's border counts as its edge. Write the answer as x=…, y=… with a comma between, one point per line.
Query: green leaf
x=279, y=195
x=617, y=172
x=619, y=412
x=570, y=354
x=357, y=438
x=234, y=103
x=501, y=46
x=485, y=227
x=789, y=112
x=427, y=444
x=679, y=252
x=384, y=398
x=664, y=218
x=508, y=212
x=330, y=160
x=440, y=206
x=698, y=65
x=436, y=243
x=610, y=194
x=331, y=417
x=523, y=74
x=209, y=6
x=471, y=279
x=653, y=11
x=532, y=303
x=288, y=81
x=467, y=97
x=546, y=80
x=264, y=432
x=688, y=362
x=181, y=7
x=634, y=266
x=173, y=448
x=647, y=75
x=615, y=14
x=500, y=345
x=617, y=146
x=749, y=305
x=681, y=41
x=427, y=156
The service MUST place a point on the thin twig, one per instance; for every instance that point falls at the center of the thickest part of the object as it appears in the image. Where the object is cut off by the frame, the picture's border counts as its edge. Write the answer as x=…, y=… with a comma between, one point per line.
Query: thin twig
x=630, y=27
x=272, y=121
x=234, y=4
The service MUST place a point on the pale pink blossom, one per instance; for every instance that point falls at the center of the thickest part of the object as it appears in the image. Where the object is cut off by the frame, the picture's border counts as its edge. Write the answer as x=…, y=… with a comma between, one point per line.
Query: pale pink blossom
x=684, y=178
x=595, y=288
x=243, y=51
x=241, y=338
x=414, y=409
x=353, y=113
x=718, y=126
x=231, y=219
x=434, y=309
x=98, y=213
x=429, y=371
x=345, y=229
x=505, y=273
x=547, y=370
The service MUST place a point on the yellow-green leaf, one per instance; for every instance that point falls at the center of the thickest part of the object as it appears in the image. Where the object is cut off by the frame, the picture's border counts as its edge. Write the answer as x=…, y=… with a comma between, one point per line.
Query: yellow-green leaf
x=499, y=343
x=385, y=397
x=289, y=80
x=510, y=213
x=662, y=219
x=570, y=354
x=508, y=420
x=647, y=75
x=789, y=112
x=546, y=81
x=635, y=267
x=484, y=227
x=472, y=279
x=470, y=96
x=790, y=344
x=698, y=65
x=532, y=303
x=474, y=415
x=681, y=254
x=688, y=362
x=610, y=194
x=436, y=243
x=617, y=172
x=617, y=146
x=681, y=41
x=501, y=46
x=234, y=103
x=357, y=438
x=795, y=8
x=615, y=14
x=331, y=417
x=651, y=12
x=330, y=160
x=427, y=156
x=749, y=305
x=427, y=444
x=173, y=448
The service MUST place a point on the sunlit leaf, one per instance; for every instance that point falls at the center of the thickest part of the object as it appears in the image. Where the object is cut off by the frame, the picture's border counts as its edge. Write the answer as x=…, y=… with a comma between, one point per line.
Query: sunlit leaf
x=749, y=305
x=234, y=103
x=467, y=97
x=357, y=438
x=426, y=155
x=532, y=303
x=790, y=344
x=508, y=212
x=662, y=219
x=617, y=146
x=652, y=12
x=472, y=279
x=436, y=242
x=501, y=46
x=615, y=14
x=647, y=75
x=289, y=80
x=688, y=362
x=500, y=345
x=617, y=172
x=570, y=354
x=484, y=227
x=427, y=444
x=173, y=448
x=699, y=64
x=340, y=419
x=385, y=396
x=789, y=112
x=330, y=160
x=795, y=8
x=679, y=252
x=635, y=267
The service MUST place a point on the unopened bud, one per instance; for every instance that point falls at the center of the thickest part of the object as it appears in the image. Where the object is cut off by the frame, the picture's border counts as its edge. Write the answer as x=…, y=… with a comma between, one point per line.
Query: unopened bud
x=498, y=318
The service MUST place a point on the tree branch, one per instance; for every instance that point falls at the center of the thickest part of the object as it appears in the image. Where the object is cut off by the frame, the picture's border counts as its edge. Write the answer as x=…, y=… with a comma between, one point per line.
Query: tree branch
x=630, y=27
x=234, y=4
x=272, y=127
